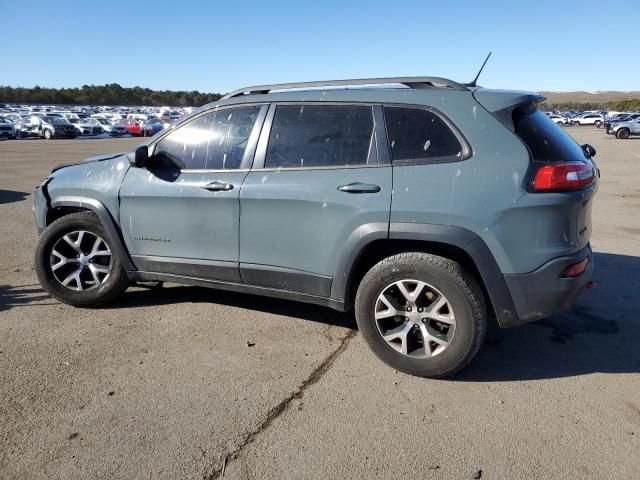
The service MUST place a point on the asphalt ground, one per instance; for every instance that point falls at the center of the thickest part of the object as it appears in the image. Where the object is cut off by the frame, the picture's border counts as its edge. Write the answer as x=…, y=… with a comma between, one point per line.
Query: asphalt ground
x=163, y=384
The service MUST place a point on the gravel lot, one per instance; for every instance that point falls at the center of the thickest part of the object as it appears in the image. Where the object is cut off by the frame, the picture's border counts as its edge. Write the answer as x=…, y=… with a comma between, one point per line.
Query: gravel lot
x=163, y=385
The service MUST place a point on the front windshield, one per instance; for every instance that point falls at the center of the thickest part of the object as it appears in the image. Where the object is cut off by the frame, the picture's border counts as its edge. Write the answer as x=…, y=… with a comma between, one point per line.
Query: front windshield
x=60, y=121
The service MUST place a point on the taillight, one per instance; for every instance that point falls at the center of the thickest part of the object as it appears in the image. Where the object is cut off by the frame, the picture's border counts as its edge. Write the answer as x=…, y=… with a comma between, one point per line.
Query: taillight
x=564, y=176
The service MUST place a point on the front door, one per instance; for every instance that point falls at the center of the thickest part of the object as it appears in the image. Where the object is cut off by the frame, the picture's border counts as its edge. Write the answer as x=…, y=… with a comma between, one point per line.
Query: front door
x=321, y=181
x=180, y=215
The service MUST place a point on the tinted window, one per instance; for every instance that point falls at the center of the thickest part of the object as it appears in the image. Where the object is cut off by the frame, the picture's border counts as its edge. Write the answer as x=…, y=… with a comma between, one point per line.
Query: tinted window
x=547, y=141
x=320, y=136
x=215, y=141
x=419, y=134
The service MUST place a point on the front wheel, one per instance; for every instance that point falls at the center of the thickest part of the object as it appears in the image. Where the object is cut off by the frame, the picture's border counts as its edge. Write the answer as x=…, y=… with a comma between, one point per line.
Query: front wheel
x=421, y=314
x=623, y=133
x=75, y=262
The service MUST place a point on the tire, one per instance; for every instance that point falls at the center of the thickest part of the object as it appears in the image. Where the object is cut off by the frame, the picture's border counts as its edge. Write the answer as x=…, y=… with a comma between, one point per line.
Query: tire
x=623, y=133
x=598, y=124
x=443, y=278
x=47, y=134
x=114, y=279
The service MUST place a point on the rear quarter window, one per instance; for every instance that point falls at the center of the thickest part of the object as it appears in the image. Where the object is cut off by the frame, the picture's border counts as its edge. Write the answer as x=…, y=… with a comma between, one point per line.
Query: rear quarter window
x=417, y=134
x=546, y=141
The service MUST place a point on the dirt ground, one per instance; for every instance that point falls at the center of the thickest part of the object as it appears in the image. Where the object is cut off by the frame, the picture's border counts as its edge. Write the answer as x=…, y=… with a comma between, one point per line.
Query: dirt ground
x=162, y=384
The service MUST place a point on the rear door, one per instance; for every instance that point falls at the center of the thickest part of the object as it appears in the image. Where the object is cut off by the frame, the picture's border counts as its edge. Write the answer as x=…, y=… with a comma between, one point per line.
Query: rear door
x=180, y=215
x=321, y=178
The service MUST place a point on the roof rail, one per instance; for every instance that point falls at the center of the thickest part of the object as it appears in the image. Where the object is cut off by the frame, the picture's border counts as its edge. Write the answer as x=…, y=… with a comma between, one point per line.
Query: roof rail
x=412, y=82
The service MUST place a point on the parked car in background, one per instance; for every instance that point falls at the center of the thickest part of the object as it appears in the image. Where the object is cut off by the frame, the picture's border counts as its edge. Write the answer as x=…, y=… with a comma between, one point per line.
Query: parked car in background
x=153, y=126
x=118, y=130
x=589, y=119
x=47, y=127
x=558, y=119
x=629, y=117
x=133, y=126
x=7, y=128
x=624, y=130
x=104, y=123
x=86, y=126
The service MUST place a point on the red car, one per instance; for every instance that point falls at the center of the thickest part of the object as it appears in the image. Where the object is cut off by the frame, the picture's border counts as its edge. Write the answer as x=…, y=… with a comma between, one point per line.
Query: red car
x=133, y=126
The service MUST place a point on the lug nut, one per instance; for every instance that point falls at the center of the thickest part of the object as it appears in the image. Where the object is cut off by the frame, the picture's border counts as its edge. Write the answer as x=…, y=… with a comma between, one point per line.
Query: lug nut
x=424, y=320
x=408, y=309
x=420, y=309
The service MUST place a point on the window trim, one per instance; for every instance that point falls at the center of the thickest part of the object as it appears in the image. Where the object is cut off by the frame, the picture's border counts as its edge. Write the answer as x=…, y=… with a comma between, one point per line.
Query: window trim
x=466, y=153
x=378, y=132
x=252, y=141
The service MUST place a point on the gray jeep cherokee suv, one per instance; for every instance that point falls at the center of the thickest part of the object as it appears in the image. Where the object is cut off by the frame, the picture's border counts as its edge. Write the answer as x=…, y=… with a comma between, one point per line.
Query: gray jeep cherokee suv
x=426, y=205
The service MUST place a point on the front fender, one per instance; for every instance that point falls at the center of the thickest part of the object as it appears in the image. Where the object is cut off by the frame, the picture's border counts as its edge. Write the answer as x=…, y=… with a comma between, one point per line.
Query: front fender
x=113, y=232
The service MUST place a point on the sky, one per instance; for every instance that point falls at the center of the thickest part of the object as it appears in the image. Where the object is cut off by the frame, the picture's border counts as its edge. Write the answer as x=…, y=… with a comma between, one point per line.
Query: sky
x=212, y=46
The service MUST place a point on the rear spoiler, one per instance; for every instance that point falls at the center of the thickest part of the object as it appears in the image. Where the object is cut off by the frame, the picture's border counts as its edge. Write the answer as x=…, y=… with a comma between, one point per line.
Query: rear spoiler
x=494, y=100
x=501, y=103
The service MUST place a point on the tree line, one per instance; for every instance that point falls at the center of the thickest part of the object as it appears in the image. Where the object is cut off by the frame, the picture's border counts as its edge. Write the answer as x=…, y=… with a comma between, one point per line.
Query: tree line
x=111, y=94
x=114, y=94
x=630, y=105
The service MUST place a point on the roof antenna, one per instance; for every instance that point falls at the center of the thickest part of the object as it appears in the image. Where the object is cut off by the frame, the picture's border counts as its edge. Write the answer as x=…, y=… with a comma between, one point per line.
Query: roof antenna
x=473, y=83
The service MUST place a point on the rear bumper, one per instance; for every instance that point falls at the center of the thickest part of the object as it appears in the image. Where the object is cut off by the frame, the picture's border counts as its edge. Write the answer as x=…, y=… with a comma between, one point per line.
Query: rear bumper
x=544, y=292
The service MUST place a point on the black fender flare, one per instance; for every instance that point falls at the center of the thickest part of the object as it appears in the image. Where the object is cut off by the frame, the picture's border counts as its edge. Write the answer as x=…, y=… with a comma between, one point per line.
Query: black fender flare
x=458, y=237
x=103, y=214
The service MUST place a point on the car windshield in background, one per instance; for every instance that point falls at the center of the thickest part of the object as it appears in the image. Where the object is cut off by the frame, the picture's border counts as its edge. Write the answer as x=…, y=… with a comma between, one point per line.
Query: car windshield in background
x=546, y=141
x=60, y=121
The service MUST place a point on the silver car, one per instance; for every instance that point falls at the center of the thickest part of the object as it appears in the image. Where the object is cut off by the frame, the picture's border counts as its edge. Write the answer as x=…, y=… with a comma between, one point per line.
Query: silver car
x=624, y=130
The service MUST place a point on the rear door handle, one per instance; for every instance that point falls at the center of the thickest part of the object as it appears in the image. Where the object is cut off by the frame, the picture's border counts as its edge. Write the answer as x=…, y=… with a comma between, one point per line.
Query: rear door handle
x=358, y=187
x=218, y=187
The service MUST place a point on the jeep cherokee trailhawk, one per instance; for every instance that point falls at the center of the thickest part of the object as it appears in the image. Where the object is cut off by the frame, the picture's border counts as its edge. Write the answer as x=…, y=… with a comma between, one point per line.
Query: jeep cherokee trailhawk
x=426, y=205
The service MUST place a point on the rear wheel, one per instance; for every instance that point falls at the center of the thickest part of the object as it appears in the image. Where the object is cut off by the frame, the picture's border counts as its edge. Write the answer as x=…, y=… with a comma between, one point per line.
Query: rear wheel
x=623, y=133
x=48, y=135
x=74, y=262
x=421, y=314
x=598, y=124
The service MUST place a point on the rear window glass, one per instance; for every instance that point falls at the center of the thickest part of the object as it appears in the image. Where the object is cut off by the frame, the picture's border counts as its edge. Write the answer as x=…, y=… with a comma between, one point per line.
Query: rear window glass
x=320, y=136
x=547, y=141
x=419, y=134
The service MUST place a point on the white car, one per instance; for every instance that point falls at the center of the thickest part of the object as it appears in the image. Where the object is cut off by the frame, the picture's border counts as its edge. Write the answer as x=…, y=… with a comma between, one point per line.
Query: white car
x=106, y=125
x=87, y=126
x=558, y=119
x=589, y=119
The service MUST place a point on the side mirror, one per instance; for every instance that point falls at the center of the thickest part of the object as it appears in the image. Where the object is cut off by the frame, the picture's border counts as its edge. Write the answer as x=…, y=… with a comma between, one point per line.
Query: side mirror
x=588, y=150
x=139, y=157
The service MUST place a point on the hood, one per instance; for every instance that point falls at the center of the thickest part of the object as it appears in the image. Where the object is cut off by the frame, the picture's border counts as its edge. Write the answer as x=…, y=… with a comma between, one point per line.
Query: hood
x=97, y=158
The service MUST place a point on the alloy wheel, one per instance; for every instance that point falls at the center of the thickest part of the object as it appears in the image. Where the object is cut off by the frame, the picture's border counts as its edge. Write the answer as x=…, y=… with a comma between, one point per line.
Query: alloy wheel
x=81, y=260
x=415, y=319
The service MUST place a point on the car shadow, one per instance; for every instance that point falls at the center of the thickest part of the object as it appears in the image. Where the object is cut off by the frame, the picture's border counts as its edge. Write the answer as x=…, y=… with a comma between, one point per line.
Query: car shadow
x=599, y=335
x=187, y=294
x=10, y=196
x=12, y=296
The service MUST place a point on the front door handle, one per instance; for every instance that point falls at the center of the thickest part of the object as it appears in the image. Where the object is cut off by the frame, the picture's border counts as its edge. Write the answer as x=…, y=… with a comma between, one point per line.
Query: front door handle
x=218, y=187
x=358, y=187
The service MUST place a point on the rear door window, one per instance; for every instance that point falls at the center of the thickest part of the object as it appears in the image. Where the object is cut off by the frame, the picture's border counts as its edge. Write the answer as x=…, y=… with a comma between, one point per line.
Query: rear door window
x=546, y=141
x=419, y=134
x=308, y=136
